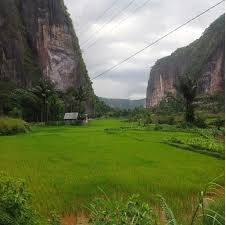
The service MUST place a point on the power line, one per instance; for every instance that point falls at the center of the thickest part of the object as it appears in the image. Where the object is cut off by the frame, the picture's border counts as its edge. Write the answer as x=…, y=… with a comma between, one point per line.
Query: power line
x=155, y=42
x=108, y=22
x=122, y=21
x=103, y=14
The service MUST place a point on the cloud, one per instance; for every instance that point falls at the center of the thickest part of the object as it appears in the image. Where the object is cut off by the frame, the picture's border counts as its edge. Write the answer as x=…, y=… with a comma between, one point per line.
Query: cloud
x=149, y=23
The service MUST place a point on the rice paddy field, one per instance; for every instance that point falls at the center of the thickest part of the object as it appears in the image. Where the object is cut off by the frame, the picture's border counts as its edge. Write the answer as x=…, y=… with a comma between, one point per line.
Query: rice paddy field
x=65, y=166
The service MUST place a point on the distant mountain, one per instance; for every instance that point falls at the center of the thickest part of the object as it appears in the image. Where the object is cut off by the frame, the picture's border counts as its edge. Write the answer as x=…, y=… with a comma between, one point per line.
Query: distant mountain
x=124, y=103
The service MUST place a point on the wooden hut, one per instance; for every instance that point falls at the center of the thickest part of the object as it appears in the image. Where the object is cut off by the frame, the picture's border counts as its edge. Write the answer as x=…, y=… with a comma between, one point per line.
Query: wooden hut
x=71, y=118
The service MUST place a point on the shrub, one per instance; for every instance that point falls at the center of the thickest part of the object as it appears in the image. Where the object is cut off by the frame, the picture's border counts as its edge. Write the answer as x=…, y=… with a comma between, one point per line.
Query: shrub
x=185, y=125
x=158, y=127
x=218, y=123
x=163, y=119
x=54, y=219
x=200, y=123
x=15, y=203
x=9, y=126
x=134, y=211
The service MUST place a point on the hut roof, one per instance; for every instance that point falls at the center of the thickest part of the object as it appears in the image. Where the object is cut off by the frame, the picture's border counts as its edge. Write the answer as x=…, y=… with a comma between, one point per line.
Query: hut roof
x=71, y=116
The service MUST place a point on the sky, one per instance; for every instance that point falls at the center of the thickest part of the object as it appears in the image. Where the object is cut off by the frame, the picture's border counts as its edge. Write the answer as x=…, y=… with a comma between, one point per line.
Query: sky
x=128, y=27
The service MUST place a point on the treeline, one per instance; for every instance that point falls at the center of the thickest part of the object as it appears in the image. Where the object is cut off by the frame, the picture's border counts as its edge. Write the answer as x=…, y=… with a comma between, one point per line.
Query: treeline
x=41, y=103
x=186, y=108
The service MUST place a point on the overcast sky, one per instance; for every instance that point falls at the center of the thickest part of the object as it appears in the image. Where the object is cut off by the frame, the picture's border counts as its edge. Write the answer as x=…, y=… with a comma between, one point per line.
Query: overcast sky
x=155, y=19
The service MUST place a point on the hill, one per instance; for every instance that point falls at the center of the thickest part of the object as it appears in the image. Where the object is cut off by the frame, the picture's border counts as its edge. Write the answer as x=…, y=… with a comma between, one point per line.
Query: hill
x=124, y=103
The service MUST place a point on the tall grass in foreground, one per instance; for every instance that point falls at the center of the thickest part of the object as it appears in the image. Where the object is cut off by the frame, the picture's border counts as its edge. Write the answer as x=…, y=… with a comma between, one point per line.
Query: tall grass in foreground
x=134, y=211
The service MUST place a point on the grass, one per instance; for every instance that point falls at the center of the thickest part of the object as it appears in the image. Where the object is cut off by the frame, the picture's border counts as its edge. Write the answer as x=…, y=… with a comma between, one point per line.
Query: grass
x=64, y=166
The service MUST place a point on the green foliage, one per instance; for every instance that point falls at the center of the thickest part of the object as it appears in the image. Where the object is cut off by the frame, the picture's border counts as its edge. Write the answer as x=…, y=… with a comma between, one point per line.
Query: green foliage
x=54, y=219
x=41, y=103
x=26, y=102
x=6, y=88
x=211, y=103
x=16, y=113
x=15, y=203
x=170, y=104
x=218, y=123
x=204, y=214
x=101, y=109
x=105, y=211
x=123, y=103
x=159, y=119
x=199, y=143
x=44, y=91
x=215, y=213
x=75, y=99
x=200, y=122
x=9, y=126
x=187, y=87
x=158, y=127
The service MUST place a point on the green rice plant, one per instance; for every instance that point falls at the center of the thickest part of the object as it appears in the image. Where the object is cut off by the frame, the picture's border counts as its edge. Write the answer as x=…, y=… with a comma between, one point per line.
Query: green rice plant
x=122, y=164
x=10, y=126
x=204, y=213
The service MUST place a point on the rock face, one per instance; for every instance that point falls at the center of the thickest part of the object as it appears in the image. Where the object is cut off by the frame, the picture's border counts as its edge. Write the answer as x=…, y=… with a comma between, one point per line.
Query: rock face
x=204, y=58
x=38, y=40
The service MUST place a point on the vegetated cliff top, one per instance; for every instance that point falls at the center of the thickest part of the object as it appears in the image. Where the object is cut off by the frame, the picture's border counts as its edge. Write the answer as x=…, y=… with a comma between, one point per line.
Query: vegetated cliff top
x=198, y=52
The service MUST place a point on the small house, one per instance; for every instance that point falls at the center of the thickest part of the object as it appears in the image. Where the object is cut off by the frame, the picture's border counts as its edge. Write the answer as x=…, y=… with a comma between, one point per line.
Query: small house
x=71, y=118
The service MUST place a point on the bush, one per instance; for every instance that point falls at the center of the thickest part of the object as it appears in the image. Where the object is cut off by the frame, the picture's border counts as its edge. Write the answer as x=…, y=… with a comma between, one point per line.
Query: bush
x=15, y=203
x=218, y=123
x=185, y=125
x=9, y=126
x=158, y=127
x=200, y=123
x=134, y=211
x=170, y=120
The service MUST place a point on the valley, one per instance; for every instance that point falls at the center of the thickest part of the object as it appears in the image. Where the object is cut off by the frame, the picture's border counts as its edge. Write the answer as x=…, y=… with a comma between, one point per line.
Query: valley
x=67, y=165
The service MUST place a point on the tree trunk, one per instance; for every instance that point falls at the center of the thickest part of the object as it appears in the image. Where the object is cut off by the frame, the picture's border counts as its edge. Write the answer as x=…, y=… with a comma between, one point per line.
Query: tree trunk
x=189, y=115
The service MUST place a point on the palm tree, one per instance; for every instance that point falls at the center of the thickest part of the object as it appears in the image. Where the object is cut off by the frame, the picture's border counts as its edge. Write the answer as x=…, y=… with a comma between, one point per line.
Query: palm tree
x=44, y=90
x=75, y=98
x=81, y=96
x=187, y=87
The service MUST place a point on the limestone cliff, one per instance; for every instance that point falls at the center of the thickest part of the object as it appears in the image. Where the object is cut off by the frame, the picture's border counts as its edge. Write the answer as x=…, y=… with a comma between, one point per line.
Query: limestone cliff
x=204, y=58
x=37, y=39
